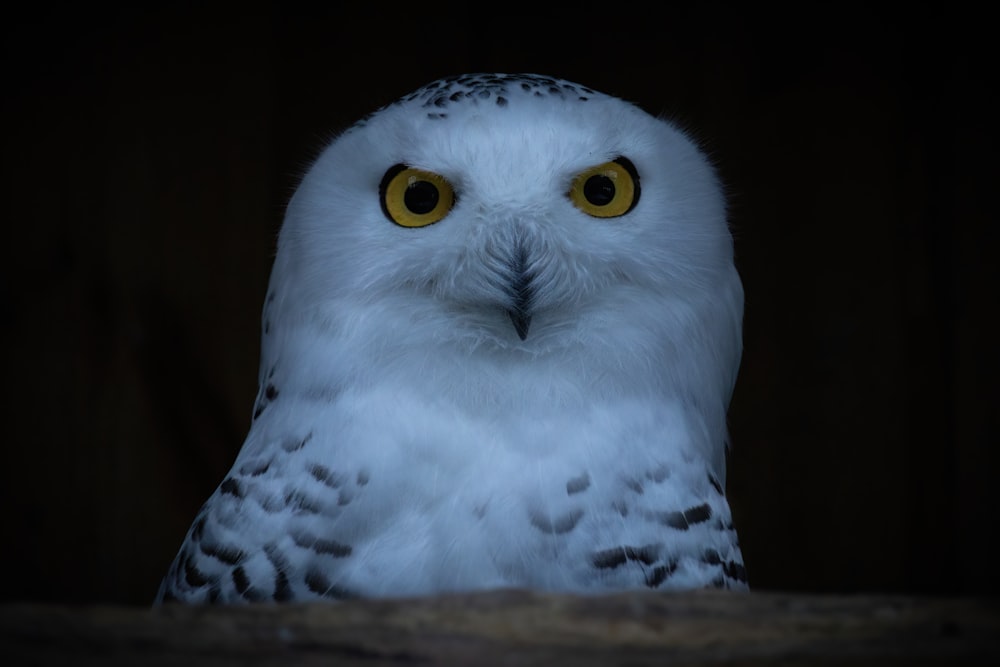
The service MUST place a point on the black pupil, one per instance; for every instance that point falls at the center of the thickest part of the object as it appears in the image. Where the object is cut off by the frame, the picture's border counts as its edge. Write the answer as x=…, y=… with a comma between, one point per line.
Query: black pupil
x=421, y=197
x=599, y=190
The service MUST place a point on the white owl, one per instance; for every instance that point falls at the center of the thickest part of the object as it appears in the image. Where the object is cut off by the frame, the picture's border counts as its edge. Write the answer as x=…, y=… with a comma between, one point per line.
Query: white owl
x=499, y=343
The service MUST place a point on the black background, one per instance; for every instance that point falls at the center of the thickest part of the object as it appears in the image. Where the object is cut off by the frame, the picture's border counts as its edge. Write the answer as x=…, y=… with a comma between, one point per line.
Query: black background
x=148, y=155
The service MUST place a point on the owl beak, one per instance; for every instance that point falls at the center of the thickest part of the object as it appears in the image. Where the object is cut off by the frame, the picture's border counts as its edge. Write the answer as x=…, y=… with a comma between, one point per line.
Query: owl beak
x=521, y=322
x=521, y=292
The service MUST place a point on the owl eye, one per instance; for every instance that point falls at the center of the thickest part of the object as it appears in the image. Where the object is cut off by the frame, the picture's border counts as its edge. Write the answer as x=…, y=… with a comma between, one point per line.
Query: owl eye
x=413, y=197
x=607, y=190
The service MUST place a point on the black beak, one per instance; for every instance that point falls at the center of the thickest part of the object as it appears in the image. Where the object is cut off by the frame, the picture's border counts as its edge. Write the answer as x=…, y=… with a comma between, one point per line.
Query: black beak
x=521, y=322
x=521, y=292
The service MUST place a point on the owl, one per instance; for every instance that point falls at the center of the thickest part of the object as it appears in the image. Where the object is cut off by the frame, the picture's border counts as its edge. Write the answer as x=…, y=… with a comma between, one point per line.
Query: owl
x=498, y=346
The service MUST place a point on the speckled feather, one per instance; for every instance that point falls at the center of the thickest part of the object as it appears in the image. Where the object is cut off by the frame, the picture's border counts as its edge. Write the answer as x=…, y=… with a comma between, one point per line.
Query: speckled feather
x=406, y=440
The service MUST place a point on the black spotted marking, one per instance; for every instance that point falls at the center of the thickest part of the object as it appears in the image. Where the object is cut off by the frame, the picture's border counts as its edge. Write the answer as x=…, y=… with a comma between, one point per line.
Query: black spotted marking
x=295, y=444
x=660, y=574
x=242, y=583
x=735, y=570
x=558, y=526
x=269, y=503
x=264, y=398
x=578, y=484
x=198, y=529
x=321, y=546
x=612, y=558
x=267, y=326
x=646, y=555
x=214, y=593
x=711, y=557
x=620, y=507
x=609, y=559
x=332, y=547
x=240, y=580
x=437, y=96
x=687, y=518
x=226, y=553
x=634, y=484
x=724, y=526
x=718, y=582
x=318, y=583
x=300, y=502
x=231, y=486
x=362, y=478
x=270, y=371
x=713, y=480
x=192, y=575
x=282, y=589
x=329, y=478
x=255, y=468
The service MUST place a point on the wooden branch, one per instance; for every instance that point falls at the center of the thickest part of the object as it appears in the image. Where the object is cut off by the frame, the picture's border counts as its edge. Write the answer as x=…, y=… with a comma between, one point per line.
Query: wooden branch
x=517, y=628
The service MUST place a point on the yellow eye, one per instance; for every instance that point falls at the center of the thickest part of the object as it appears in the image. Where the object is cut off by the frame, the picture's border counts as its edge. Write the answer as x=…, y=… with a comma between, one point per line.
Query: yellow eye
x=607, y=190
x=415, y=198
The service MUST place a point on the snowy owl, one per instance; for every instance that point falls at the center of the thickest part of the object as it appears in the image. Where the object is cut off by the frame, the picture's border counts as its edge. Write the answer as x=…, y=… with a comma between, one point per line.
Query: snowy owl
x=498, y=346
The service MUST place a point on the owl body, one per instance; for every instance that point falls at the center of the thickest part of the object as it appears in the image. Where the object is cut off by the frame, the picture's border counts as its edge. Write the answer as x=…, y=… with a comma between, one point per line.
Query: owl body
x=522, y=392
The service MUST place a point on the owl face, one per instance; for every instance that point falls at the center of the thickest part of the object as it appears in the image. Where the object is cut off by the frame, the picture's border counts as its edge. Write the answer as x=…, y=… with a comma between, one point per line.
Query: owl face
x=522, y=210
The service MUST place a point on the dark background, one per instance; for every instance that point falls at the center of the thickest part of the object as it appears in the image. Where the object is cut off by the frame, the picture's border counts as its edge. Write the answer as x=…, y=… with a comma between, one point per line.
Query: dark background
x=148, y=155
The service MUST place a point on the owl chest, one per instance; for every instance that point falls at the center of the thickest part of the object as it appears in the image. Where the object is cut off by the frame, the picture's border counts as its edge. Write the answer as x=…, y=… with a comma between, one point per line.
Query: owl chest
x=471, y=500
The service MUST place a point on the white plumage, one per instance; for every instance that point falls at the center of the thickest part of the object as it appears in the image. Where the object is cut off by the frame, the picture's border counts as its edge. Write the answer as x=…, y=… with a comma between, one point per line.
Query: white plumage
x=481, y=369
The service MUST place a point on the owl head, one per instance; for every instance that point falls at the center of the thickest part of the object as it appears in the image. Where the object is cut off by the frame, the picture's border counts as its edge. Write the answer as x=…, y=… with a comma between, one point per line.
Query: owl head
x=522, y=217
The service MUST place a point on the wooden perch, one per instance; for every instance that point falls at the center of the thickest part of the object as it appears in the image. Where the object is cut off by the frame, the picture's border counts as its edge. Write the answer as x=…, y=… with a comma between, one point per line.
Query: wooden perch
x=517, y=628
